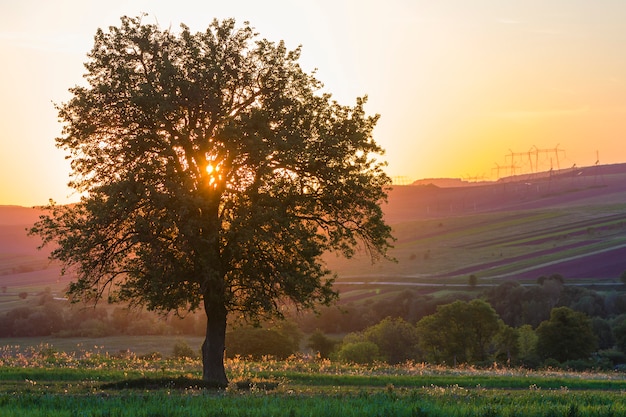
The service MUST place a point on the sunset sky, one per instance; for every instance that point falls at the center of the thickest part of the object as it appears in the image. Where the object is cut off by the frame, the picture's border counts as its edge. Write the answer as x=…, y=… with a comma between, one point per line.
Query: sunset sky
x=459, y=84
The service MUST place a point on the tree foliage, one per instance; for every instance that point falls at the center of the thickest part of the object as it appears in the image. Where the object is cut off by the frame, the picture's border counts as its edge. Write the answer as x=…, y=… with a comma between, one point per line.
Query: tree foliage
x=361, y=352
x=396, y=339
x=459, y=332
x=568, y=335
x=213, y=171
x=279, y=341
x=321, y=344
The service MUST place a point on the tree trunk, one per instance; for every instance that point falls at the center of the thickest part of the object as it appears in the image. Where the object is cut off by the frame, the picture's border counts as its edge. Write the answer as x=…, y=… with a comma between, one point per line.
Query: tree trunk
x=213, y=348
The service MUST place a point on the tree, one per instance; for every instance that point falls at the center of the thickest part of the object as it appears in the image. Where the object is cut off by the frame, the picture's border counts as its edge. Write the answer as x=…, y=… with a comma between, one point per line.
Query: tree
x=256, y=342
x=321, y=344
x=527, y=342
x=472, y=280
x=508, y=301
x=459, y=332
x=507, y=343
x=396, y=339
x=362, y=352
x=212, y=172
x=568, y=335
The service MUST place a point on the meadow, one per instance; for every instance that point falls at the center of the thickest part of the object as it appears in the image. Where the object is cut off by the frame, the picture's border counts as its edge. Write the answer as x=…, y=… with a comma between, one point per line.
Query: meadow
x=41, y=381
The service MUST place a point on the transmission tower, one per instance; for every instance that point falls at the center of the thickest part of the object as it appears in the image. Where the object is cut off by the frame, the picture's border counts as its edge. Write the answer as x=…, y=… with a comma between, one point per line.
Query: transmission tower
x=497, y=169
x=556, y=151
x=596, y=169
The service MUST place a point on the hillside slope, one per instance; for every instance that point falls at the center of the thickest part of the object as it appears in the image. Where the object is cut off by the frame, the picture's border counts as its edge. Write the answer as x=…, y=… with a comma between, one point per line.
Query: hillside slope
x=572, y=222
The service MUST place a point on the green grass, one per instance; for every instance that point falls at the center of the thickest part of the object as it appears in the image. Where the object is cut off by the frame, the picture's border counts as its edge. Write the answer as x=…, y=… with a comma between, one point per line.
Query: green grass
x=435, y=402
x=40, y=381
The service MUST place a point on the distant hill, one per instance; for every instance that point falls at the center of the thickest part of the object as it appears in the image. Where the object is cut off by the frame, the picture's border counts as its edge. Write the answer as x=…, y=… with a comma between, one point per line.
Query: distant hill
x=423, y=217
x=18, y=215
x=448, y=182
x=601, y=184
x=14, y=220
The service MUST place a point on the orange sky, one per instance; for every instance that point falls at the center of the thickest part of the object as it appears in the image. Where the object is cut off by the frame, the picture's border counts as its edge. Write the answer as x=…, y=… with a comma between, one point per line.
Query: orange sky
x=459, y=85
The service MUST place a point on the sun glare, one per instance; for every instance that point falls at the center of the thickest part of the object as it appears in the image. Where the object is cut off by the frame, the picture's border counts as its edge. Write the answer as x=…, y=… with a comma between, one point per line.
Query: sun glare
x=213, y=169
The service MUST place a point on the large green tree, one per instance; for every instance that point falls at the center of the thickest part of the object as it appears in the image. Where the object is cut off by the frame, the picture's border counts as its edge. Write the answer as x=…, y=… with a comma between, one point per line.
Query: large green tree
x=568, y=335
x=214, y=172
x=459, y=332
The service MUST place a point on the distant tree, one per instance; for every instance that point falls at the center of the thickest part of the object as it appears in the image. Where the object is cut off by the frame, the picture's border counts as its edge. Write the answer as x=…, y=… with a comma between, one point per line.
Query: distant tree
x=604, y=333
x=397, y=339
x=362, y=352
x=459, y=332
x=508, y=301
x=619, y=332
x=472, y=280
x=321, y=344
x=507, y=343
x=568, y=335
x=584, y=300
x=279, y=341
x=213, y=172
x=182, y=350
x=23, y=295
x=527, y=343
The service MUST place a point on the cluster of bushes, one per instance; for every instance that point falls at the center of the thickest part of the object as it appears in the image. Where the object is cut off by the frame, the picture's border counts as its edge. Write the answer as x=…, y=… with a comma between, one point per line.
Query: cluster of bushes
x=546, y=323
x=461, y=332
x=473, y=333
x=516, y=304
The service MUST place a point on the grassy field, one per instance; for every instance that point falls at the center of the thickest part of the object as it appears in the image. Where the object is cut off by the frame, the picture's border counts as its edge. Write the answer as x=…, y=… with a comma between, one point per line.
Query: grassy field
x=448, y=250
x=41, y=381
x=493, y=246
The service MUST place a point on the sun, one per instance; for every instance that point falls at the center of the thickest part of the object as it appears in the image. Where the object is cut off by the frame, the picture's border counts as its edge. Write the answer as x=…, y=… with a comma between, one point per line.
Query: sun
x=210, y=168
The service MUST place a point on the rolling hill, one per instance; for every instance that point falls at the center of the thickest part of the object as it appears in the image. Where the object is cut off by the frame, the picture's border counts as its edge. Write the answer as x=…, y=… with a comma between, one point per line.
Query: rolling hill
x=571, y=222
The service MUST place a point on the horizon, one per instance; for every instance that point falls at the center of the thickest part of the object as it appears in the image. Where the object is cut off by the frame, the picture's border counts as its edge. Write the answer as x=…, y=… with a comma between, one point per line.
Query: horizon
x=464, y=90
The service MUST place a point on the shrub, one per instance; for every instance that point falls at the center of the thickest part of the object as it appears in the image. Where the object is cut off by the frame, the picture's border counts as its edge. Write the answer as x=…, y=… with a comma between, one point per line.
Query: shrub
x=321, y=344
x=397, y=340
x=182, y=350
x=359, y=352
x=257, y=342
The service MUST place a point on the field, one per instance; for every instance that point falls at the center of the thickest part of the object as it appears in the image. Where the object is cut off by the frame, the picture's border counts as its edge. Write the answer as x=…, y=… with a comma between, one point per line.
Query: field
x=40, y=381
x=572, y=223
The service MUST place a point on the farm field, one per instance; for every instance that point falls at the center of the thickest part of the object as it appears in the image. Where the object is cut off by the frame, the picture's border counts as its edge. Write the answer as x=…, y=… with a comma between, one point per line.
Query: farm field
x=572, y=223
x=576, y=233
x=40, y=381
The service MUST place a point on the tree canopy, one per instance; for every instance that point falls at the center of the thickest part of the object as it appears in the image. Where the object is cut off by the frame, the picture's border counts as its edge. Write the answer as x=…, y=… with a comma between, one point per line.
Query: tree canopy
x=568, y=335
x=213, y=172
x=459, y=332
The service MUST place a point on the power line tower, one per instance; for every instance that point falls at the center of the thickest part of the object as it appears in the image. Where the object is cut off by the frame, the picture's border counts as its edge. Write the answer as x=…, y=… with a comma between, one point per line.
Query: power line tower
x=520, y=157
x=597, y=172
x=556, y=151
x=497, y=169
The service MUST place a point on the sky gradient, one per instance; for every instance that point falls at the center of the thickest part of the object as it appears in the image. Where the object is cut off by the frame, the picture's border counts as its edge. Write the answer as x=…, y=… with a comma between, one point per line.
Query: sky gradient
x=462, y=87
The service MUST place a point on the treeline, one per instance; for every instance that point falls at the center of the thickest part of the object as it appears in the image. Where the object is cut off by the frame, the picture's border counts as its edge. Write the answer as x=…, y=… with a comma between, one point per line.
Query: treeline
x=515, y=303
x=547, y=323
x=43, y=315
x=461, y=332
x=473, y=333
